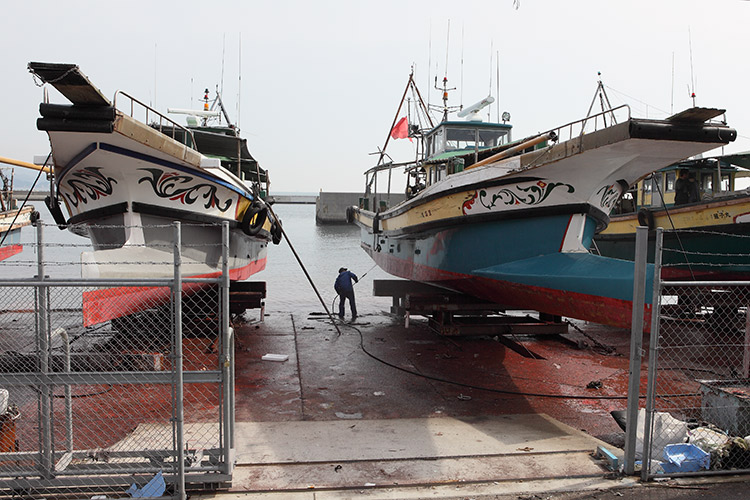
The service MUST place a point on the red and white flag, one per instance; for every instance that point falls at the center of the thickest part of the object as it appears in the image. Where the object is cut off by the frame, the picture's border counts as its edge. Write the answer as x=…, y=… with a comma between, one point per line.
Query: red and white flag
x=401, y=130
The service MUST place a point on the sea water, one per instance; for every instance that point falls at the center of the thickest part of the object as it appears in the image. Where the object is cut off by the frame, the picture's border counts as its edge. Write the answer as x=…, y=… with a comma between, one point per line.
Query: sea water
x=322, y=250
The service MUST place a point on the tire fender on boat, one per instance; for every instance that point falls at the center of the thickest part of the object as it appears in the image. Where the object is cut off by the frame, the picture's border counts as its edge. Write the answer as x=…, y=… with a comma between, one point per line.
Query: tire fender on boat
x=376, y=224
x=254, y=218
x=276, y=233
x=349, y=215
x=646, y=218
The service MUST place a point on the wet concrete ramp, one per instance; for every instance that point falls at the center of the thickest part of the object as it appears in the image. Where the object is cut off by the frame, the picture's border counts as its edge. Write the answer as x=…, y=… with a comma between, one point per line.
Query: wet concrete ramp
x=402, y=453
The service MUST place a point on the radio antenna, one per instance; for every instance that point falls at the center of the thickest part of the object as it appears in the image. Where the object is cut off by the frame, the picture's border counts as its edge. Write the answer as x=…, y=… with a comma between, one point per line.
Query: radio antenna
x=497, y=67
x=692, y=76
x=489, y=108
x=447, y=46
x=239, y=84
x=462, y=66
x=223, y=51
x=429, y=65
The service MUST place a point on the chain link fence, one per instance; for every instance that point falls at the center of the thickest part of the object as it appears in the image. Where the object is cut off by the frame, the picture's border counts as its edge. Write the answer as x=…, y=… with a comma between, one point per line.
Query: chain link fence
x=697, y=411
x=113, y=386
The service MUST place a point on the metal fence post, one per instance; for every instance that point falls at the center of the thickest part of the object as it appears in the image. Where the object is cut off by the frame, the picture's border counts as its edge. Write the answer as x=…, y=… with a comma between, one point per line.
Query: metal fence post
x=652, y=356
x=45, y=406
x=179, y=389
x=226, y=369
x=636, y=342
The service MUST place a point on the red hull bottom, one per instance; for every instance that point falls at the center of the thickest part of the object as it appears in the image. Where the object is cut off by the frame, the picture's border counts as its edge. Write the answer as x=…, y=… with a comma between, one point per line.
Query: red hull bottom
x=594, y=308
x=9, y=251
x=110, y=303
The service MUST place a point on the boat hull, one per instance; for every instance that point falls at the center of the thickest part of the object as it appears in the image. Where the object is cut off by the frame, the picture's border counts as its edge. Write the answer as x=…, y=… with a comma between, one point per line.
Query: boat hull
x=11, y=222
x=125, y=196
x=517, y=232
x=712, y=243
x=490, y=260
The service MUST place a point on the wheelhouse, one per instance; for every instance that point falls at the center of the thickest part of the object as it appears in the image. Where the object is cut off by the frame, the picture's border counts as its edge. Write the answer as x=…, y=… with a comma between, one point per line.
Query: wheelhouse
x=453, y=145
x=716, y=177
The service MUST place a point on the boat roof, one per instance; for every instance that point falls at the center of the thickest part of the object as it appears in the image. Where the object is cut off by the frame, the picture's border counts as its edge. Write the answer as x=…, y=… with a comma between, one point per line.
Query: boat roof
x=471, y=124
x=736, y=161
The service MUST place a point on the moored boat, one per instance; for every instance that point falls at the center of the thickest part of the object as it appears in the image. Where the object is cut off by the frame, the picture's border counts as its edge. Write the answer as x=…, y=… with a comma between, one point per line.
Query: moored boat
x=512, y=222
x=123, y=182
x=714, y=227
x=12, y=217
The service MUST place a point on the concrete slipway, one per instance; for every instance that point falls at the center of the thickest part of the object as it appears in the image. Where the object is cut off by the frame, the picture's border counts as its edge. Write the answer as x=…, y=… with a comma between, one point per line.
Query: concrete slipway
x=337, y=422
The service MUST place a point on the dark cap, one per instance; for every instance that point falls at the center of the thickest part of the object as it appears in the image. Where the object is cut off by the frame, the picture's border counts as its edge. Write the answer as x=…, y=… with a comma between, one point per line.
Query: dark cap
x=342, y=270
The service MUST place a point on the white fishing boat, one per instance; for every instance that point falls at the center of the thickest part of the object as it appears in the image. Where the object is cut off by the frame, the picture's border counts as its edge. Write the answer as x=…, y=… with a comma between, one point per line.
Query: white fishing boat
x=124, y=180
x=512, y=222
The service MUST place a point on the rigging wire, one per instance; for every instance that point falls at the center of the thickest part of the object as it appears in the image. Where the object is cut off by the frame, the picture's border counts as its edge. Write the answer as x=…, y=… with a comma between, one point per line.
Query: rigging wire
x=299, y=261
x=28, y=194
x=654, y=182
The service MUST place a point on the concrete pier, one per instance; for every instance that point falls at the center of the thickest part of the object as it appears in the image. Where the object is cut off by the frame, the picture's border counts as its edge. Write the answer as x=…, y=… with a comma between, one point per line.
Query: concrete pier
x=330, y=208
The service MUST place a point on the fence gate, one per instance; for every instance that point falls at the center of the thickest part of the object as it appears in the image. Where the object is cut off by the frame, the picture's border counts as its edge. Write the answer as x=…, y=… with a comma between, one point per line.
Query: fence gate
x=697, y=414
x=117, y=387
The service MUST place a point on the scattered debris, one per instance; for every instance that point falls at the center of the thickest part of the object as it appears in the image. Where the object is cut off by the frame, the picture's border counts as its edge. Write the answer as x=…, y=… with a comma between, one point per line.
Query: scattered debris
x=613, y=463
x=349, y=416
x=464, y=397
x=594, y=384
x=275, y=357
x=154, y=488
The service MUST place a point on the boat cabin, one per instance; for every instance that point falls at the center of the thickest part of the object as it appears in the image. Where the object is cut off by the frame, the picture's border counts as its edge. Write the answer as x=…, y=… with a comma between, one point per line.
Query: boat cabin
x=714, y=177
x=453, y=145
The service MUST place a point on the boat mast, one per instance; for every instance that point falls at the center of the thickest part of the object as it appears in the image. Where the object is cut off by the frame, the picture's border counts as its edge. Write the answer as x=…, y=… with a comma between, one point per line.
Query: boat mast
x=603, y=101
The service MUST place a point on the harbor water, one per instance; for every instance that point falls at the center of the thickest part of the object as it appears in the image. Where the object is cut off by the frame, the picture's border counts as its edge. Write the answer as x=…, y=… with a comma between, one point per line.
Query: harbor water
x=322, y=250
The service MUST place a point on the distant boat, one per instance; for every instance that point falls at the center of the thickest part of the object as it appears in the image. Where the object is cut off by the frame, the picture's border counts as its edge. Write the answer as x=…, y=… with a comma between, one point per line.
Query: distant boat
x=12, y=217
x=123, y=181
x=512, y=222
x=715, y=236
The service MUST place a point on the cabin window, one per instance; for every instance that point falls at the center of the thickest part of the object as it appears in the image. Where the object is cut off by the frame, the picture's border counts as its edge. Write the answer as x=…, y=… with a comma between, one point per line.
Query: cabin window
x=440, y=172
x=669, y=188
x=725, y=183
x=437, y=142
x=707, y=183
x=490, y=138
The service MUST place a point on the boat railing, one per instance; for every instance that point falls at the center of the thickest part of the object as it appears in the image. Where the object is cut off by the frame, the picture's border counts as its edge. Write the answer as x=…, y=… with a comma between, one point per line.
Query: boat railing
x=158, y=120
x=592, y=123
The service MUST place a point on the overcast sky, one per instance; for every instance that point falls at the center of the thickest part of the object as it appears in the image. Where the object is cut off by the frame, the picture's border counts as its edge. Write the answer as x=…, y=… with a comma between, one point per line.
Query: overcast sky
x=321, y=80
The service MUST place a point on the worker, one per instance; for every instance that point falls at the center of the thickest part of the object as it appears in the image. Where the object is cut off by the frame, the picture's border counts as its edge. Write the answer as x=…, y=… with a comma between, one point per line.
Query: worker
x=682, y=188
x=694, y=193
x=345, y=289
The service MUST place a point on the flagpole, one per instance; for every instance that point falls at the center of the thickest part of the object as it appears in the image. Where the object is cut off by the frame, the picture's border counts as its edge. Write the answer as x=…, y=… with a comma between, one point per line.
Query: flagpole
x=395, y=118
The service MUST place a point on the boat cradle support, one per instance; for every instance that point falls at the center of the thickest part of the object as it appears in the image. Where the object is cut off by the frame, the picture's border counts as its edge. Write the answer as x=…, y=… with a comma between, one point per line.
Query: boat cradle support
x=455, y=314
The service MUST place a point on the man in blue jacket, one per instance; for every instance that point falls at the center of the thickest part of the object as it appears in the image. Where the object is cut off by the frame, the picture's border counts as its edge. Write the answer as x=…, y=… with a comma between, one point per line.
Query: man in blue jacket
x=345, y=289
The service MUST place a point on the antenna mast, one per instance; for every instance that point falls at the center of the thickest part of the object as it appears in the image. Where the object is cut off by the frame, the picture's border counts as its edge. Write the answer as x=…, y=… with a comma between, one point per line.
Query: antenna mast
x=692, y=77
x=239, y=85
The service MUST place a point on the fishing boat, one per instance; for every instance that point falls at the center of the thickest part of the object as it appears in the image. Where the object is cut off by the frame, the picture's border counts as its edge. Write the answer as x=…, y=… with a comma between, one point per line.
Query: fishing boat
x=511, y=222
x=714, y=227
x=12, y=217
x=123, y=181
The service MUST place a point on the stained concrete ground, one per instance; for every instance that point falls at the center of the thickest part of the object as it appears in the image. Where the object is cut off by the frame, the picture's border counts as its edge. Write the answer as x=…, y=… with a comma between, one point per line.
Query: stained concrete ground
x=382, y=411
